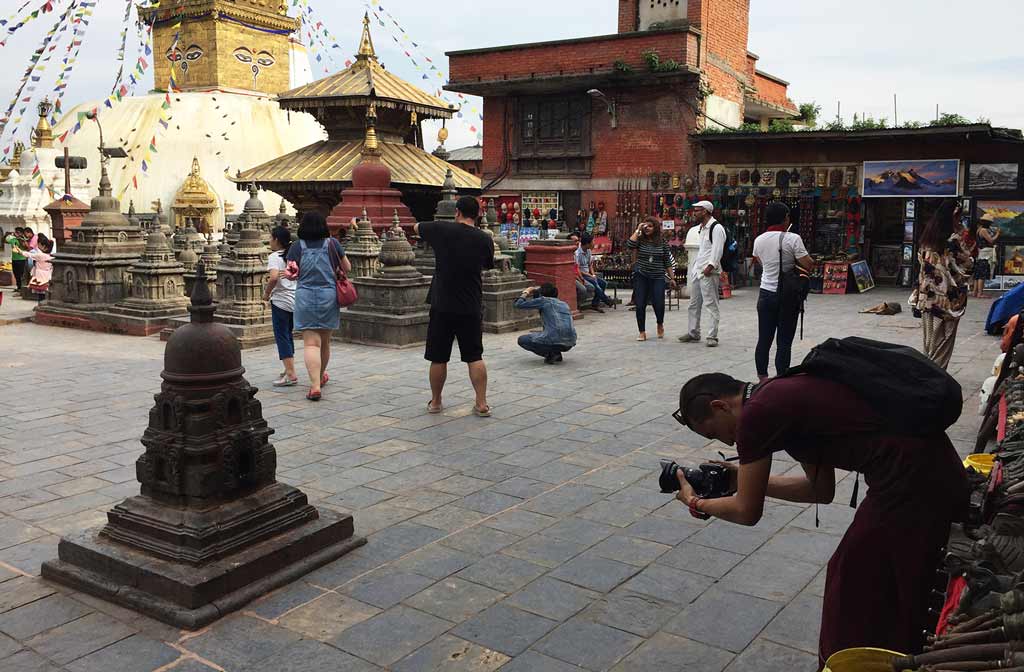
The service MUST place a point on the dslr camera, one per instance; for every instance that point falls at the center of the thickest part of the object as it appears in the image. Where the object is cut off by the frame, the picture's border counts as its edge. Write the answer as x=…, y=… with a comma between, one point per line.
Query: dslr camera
x=708, y=480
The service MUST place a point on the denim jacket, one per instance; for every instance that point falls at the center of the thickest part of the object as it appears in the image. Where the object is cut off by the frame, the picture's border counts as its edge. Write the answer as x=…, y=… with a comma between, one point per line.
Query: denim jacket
x=557, y=318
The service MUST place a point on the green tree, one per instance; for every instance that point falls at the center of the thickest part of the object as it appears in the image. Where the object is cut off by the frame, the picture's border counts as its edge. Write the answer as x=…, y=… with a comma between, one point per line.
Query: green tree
x=809, y=113
x=951, y=119
x=781, y=126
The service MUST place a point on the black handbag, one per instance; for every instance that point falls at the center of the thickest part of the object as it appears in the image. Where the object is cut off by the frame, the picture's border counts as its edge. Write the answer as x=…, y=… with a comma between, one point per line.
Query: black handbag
x=794, y=286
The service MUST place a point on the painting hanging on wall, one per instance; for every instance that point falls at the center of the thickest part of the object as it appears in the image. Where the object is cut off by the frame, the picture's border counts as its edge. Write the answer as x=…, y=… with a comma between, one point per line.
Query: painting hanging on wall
x=988, y=178
x=1008, y=216
x=911, y=179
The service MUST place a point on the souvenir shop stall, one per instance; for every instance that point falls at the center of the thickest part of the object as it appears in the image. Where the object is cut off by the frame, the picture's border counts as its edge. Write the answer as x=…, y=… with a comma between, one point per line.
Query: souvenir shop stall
x=996, y=192
x=979, y=597
x=824, y=201
x=856, y=200
x=527, y=216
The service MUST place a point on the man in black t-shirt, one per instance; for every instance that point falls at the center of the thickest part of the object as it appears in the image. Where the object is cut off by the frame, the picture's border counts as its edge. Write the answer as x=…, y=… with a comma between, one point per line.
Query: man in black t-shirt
x=462, y=251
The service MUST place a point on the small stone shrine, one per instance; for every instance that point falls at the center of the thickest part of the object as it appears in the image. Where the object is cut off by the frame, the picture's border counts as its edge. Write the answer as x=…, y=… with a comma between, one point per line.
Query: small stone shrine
x=195, y=204
x=494, y=224
x=426, y=262
x=363, y=249
x=210, y=258
x=157, y=290
x=211, y=529
x=241, y=276
x=502, y=285
x=392, y=309
x=189, y=260
x=254, y=214
x=283, y=218
x=90, y=271
x=188, y=238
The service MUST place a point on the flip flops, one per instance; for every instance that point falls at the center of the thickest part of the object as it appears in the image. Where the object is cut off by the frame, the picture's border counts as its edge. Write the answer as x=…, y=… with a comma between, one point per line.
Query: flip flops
x=434, y=410
x=482, y=412
x=313, y=396
x=324, y=380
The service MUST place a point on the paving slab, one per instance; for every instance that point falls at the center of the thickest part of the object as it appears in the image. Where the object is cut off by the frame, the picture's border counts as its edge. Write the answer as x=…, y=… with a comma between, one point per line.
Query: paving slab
x=510, y=543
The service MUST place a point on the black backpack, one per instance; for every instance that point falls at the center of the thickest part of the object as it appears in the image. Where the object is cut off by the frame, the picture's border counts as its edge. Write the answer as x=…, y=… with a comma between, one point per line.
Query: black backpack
x=730, y=252
x=910, y=392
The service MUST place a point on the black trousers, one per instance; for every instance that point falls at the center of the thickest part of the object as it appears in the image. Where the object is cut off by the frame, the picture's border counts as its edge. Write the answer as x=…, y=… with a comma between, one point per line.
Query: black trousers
x=774, y=319
x=648, y=291
x=18, y=268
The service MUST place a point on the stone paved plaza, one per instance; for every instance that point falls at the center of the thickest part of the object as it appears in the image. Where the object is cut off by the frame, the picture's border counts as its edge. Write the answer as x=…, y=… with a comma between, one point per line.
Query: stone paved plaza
x=533, y=541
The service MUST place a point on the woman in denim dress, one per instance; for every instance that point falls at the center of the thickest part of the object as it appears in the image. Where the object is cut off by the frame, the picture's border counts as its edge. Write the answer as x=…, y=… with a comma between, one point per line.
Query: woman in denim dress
x=316, y=301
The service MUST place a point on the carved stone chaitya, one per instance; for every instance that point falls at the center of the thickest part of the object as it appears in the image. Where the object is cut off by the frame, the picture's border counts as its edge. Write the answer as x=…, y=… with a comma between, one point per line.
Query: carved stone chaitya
x=211, y=529
x=90, y=271
x=363, y=249
x=157, y=289
x=494, y=225
x=241, y=276
x=502, y=285
x=392, y=310
x=426, y=262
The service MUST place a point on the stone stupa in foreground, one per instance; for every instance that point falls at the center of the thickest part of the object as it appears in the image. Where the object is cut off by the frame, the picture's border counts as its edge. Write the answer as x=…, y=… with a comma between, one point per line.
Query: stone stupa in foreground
x=212, y=529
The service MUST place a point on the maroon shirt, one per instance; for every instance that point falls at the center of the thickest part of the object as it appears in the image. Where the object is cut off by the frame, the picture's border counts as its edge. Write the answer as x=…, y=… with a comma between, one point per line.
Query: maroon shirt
x=822, y=422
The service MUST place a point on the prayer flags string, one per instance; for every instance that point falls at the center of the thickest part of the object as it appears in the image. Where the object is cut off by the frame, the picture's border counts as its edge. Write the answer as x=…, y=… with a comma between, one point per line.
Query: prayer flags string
x=45, y=8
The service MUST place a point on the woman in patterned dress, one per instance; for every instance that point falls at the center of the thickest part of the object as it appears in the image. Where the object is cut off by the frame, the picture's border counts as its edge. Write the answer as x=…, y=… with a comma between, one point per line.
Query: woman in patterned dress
x=943, y=284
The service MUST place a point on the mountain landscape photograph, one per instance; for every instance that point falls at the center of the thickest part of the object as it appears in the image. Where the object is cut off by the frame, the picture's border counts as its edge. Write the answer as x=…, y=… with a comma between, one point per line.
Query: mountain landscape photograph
x=911, y=179
x=1007, y=215
x=983, y=177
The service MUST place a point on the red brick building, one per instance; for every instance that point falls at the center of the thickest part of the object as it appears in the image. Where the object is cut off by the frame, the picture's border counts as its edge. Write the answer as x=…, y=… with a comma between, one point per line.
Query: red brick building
x=566, y=121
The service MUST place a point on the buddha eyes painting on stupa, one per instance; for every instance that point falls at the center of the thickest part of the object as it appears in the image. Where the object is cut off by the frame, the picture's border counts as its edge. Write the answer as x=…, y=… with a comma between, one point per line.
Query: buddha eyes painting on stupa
x=257, y=61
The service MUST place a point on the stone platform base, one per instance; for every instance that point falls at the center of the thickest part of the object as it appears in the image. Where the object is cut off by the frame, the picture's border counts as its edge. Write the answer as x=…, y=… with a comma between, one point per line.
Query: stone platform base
x=524, y=323
x=108, y=323
x=192, y=597
x=250, y=336
x=385, y=331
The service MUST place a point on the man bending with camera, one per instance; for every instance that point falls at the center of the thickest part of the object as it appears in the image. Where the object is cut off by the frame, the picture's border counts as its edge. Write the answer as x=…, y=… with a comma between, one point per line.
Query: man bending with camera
x=559, y=335
x=879, y=579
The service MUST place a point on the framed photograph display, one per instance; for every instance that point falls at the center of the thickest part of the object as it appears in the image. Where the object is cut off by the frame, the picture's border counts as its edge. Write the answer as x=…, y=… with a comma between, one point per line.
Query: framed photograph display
x=993, y=178
x=1008, y=216
x=886, y=261
x=862, y=276
x=926, y=178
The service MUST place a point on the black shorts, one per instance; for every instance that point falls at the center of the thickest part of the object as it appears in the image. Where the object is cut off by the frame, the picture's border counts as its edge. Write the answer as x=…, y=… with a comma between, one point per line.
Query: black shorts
x=444, y=328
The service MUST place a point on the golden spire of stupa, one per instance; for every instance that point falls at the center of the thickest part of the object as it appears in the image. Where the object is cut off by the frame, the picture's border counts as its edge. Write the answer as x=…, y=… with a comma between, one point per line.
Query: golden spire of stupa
x=366, y=42
x=370, y=145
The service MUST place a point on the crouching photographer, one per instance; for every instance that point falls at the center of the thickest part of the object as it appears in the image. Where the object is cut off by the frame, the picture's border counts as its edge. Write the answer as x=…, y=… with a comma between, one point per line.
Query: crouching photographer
x=559, y=334
x=841, y=410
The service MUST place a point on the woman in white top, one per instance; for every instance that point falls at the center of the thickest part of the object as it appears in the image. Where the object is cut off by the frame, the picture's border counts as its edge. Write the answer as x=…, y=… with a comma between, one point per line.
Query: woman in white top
x=280, y=292
x=773, y=246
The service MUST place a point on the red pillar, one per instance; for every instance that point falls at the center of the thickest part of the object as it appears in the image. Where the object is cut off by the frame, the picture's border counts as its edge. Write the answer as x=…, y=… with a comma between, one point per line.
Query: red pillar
x=554, y=261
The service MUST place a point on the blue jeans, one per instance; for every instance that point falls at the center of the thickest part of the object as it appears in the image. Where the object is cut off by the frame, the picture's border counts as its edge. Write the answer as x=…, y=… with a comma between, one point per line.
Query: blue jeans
x=599, y=285
x=284, y=325
x=529, y=342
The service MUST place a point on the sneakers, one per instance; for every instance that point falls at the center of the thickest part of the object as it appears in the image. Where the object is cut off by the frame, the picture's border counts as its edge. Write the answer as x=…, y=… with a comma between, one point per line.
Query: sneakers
x=553, y=358
x=597, y=309
x=689, y=338
x=712, y=342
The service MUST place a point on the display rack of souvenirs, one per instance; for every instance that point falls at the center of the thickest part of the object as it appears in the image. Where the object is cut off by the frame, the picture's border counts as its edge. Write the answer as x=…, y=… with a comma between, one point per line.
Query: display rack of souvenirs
x=835, y=277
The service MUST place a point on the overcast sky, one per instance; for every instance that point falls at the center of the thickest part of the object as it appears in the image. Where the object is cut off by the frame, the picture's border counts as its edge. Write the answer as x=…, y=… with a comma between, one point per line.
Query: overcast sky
x=859, y=53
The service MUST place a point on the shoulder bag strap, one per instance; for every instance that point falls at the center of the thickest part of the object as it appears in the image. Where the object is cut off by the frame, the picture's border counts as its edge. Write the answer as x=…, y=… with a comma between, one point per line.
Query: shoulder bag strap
x=334, y=256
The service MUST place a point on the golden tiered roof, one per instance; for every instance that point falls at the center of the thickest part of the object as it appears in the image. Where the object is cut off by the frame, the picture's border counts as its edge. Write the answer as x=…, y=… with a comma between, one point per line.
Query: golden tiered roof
x=363, y=83
x=333, y=161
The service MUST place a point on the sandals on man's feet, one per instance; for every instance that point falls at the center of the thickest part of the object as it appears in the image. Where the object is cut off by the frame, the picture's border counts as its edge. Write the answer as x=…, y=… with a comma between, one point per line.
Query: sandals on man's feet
x=313, y=396
x=484, y=412
x=434, y=410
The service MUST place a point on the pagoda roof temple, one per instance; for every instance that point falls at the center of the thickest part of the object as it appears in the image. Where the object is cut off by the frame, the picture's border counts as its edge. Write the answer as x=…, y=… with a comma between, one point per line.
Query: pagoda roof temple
x=314, y=176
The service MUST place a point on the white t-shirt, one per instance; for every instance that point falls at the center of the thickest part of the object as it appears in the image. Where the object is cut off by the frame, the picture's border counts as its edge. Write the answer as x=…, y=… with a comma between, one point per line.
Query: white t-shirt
x=283, y=295
x=766, y=248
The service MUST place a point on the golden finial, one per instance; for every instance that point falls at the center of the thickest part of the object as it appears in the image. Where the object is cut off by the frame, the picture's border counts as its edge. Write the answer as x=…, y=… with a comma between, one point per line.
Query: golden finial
x=366, y=42
x=370, y=146
x=195, y=166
